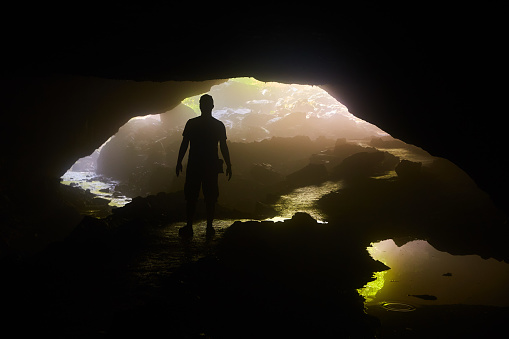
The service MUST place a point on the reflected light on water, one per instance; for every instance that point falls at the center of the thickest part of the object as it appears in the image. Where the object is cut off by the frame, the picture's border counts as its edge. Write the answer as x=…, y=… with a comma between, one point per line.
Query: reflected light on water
x=277, y=219
x=419, y=271
x=96, y=185
x=304, y=199
x=370, y=290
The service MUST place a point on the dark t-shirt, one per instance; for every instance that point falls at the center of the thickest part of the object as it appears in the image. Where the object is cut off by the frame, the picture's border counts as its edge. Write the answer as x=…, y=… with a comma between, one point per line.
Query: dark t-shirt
x=204, y=133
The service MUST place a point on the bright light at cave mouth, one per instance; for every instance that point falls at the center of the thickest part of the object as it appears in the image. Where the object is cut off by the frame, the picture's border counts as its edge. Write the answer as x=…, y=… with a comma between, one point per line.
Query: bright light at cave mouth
x=251, y=110
x=279, y=110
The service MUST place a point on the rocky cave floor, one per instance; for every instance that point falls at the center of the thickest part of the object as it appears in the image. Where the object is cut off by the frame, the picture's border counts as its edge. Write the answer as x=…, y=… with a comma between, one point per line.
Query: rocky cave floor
x=130, y=273
x=250, y=280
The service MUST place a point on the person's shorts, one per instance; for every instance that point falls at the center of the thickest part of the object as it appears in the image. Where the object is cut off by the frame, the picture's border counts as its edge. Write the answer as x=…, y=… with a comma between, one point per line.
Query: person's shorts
x=196, y=179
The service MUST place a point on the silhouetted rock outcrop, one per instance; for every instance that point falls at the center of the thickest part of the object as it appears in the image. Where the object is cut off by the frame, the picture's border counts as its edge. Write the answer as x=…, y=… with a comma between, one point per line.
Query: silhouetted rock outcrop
x=389, y=142
x=437, y=202
x=286, y=279
x=408, y=170
x=365, y=164
x=263, y=173
x=344, y=149
x=312, y=174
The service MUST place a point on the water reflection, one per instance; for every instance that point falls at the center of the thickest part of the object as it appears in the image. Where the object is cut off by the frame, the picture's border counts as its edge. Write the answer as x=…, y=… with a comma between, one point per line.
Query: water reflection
x=304, y=199
x=99, y=186
x=419, y=273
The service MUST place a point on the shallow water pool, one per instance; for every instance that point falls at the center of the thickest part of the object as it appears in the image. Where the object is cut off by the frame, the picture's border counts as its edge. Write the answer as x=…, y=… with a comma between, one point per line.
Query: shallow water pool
x=421, y=275
x=99, y=186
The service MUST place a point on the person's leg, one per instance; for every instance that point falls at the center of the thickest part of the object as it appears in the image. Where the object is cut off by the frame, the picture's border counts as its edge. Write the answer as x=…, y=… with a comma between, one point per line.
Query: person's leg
x=210, y=193
x=191, y=192
x=210, y=206
x=187, y=230
x=190, y=209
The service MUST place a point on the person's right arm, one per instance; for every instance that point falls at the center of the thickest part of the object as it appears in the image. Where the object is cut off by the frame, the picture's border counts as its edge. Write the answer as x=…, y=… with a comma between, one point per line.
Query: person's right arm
x=182, y=152
x=226, y=156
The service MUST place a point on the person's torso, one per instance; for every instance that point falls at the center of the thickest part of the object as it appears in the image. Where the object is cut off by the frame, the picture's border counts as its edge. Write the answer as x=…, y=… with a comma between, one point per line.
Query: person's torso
x=204, y=134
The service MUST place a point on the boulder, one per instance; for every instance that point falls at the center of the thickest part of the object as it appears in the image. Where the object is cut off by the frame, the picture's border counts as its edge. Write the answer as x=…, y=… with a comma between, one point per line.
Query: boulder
x=92, y=231
x=391, y=143
x=364, y=165
x=265, y=174
x=324, y=158
x=344, y=149
x=408, y=170
x=312, y=174
x=387, y=143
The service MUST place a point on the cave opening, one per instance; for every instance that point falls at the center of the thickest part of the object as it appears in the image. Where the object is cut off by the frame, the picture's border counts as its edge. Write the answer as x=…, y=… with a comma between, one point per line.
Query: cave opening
x=336, y=184
x=126, y=272
x=303, y=122
x=297, y=149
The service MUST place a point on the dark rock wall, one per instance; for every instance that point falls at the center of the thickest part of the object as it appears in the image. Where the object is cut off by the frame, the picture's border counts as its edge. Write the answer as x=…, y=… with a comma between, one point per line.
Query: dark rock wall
x=51, y=121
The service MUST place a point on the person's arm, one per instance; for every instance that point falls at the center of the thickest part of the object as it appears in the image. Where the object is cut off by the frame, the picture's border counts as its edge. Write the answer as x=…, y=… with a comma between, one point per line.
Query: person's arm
x=226, y=156
x=182, y=152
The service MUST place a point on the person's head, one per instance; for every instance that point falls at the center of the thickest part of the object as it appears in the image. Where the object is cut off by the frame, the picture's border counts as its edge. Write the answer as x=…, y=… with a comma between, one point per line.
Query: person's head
x=206, y=104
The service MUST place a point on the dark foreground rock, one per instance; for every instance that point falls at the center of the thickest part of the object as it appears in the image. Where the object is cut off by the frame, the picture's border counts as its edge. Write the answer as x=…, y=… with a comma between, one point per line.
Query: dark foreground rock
x=261, y=279
x=291, y=279
x=438, y=202
x=408, y=170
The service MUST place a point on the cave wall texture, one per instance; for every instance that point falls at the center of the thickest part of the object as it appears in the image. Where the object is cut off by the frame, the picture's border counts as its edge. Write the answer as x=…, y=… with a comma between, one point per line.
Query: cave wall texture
x=429, y=74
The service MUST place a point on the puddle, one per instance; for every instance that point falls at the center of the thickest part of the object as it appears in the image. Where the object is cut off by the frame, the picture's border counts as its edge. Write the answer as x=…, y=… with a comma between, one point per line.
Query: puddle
x=398, y=307
x=421, y=275
x=304, y=199
x=97, y=185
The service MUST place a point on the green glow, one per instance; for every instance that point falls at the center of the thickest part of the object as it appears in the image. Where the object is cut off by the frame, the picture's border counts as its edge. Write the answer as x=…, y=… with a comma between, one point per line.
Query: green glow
x=249, y=81
x=193, y=103
x=96, y=187
x=303, y=199
x=370, y=290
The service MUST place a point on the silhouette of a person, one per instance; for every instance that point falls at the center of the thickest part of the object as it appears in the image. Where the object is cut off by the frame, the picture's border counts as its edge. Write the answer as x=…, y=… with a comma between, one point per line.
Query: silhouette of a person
x=203, y=133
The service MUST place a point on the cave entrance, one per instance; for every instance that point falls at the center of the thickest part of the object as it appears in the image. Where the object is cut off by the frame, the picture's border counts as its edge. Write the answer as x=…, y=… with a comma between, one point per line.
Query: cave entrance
x=295, y=148
x=274, y=130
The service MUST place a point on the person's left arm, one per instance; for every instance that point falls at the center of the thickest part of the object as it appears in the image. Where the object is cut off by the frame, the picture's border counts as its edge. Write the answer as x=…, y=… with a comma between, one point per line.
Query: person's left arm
x=182, y=152
x=226, y=156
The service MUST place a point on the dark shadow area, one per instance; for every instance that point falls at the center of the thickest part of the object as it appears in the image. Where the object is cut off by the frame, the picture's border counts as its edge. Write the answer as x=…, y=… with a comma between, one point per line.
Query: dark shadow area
x=291, y=279
x=436, y=202
x=260, y=279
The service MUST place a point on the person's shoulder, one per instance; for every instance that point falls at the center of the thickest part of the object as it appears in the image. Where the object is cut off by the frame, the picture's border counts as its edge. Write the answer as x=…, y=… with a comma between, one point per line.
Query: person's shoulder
x=217, y=122
x=192, y=121
x=191, y=125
